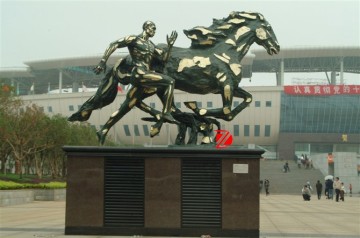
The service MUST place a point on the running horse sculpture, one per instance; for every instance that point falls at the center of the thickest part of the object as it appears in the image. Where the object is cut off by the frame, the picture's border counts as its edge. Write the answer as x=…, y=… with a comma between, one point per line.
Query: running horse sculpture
x=210, y=65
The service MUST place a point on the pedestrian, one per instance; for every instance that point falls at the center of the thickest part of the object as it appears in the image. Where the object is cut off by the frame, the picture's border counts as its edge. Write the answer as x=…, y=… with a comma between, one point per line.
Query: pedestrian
x=284, y=168
x=299, y=163
x=342, y=192
x=337, y=187
x=350, y=190
x=311, y=163
x=309, y=185
x=306, y=193
x=319, y=189
x=267, y=184
x=329, y=189
x=287, y=167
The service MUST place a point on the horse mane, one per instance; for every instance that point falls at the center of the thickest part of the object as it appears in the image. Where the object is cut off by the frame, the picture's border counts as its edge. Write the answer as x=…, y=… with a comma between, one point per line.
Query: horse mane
x=206, y=37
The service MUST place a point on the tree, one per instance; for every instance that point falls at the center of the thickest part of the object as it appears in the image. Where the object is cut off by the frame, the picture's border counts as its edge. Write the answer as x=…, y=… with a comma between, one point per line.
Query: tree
x=25, y=134
x=8, y=105
x=35, y=140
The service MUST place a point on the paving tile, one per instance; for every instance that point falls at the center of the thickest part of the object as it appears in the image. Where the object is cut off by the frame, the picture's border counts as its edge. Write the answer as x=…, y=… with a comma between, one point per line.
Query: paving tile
x=280, y=216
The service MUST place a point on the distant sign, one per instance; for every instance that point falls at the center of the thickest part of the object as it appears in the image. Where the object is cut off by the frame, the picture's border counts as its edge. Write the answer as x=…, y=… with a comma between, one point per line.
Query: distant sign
x=322, y=90
x=240, y=168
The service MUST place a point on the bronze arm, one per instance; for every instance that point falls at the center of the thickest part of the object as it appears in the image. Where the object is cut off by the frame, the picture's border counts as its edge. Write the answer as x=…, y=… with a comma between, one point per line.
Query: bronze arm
x=123, y=42
x=170, y=41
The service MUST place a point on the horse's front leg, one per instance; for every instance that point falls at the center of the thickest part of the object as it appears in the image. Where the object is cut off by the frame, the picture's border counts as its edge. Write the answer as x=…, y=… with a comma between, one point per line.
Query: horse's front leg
x=224, y=113
x=246, y=96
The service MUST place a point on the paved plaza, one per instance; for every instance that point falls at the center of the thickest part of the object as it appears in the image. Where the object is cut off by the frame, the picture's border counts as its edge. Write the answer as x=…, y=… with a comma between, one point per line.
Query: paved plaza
x=280, y=216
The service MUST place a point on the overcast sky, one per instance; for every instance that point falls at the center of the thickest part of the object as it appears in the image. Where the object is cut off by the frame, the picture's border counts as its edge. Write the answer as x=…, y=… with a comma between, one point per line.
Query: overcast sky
x=38, y=30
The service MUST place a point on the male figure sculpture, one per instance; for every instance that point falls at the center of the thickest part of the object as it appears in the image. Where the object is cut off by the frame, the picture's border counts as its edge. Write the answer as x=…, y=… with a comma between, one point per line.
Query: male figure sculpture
x=143, y=78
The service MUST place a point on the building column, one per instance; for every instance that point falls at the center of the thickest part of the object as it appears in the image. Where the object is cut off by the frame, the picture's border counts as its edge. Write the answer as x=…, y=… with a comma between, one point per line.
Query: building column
x=280, y=74
x=333, y=78
x=341, y=70
x=75, y=87
x=60, y=81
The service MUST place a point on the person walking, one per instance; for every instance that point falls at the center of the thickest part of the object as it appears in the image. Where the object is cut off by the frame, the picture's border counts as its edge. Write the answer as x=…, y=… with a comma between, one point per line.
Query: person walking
x=342, y=192
x=299, y=163
x=337, y=187
x=319, y=189
x=306, y=193
x=329, y=189
x=309, y=186
x=350, y=189
x=287, y=167
x=267, y=184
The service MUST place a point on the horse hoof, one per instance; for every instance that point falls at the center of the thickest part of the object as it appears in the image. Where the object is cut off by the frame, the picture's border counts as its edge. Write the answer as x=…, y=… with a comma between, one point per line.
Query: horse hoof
x=80, y=116
x=191, y=105
x=155, y=129
x=101, y=137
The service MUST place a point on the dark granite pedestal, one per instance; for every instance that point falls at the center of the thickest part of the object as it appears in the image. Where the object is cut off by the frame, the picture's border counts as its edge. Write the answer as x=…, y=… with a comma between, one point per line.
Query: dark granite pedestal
x=162, y=191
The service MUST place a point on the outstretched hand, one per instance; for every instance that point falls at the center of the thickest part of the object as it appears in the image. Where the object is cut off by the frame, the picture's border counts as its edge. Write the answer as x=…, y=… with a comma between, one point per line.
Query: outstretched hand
x=100, y=67
x=171, y=40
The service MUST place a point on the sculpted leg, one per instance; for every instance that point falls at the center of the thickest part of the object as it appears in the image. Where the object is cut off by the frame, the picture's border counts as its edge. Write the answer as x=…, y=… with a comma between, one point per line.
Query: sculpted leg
x=222, y=113
x=131, y=99
x=163, y=83
x=241, y=93
x=105, y=95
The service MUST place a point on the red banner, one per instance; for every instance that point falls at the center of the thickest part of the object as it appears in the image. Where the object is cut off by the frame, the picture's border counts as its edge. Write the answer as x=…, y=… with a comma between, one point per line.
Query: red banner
x=322, y=90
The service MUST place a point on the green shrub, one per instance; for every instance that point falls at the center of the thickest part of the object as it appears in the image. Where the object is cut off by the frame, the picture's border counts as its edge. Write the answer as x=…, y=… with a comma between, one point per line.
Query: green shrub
x=52, y=185
x=10, y=185
x=6, y=185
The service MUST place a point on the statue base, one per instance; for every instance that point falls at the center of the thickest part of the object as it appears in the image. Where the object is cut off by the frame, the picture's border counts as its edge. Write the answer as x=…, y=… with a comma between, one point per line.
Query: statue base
x=162, y=191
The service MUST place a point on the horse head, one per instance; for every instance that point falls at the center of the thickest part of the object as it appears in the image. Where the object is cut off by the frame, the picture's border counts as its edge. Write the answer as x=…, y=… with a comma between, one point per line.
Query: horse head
x=255, y=27
x=238, y=30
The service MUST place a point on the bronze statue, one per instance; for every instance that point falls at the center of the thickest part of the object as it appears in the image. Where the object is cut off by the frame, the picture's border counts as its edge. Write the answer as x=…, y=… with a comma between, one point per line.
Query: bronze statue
x=143, y=78
x=210, y=65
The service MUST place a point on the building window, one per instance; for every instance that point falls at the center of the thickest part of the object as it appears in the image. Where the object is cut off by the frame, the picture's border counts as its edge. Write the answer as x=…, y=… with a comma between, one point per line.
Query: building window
x=267, y=130
x=79, y=106
x=268, y=104
x=257, y=130
x=246, y=130
x=199, y=104
x=136, y=130
x=50, y=109
x=257, y=103
x=146, y=130
x=127, y=130
x=209, y=104
x=71, y=108
x=178, y=105
x=152, y=105
x=236, y=130
x=236, y=103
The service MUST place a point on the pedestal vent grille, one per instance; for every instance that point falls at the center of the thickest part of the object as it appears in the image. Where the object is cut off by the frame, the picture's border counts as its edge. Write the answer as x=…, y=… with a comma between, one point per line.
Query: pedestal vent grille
x=124, y=192
x=201, y=193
